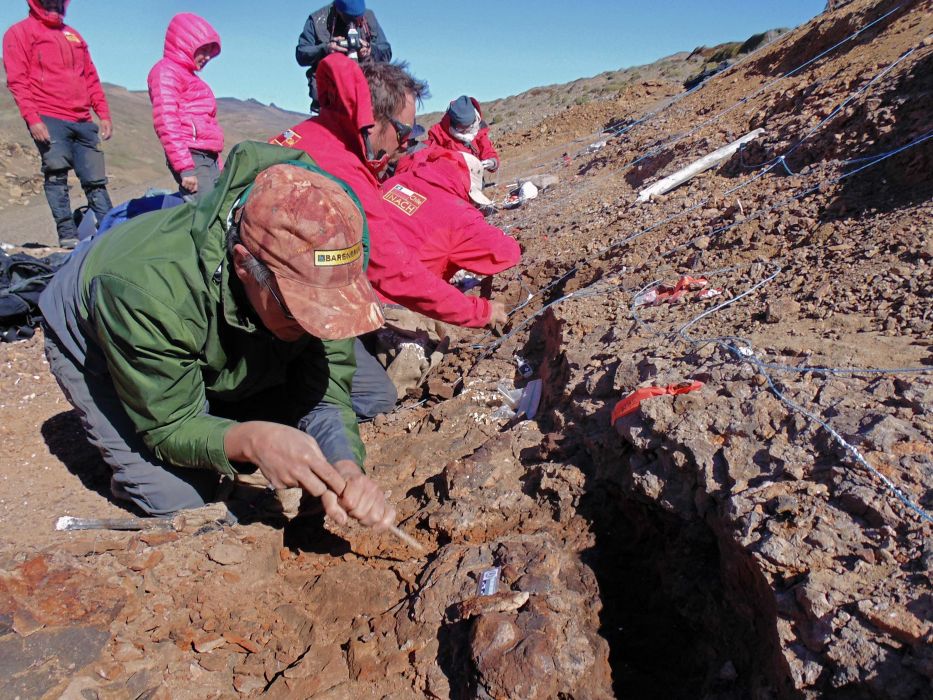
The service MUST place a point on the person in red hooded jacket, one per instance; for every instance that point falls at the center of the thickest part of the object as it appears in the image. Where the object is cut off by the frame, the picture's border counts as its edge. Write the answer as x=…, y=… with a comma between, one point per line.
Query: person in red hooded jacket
x=462, y=129
x=367, y=115
x=55, y=85
x=184, y=110
x=434, y=199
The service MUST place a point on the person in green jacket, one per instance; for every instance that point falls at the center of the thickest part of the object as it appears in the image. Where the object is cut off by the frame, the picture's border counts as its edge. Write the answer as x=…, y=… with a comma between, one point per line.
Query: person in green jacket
x=217, y=337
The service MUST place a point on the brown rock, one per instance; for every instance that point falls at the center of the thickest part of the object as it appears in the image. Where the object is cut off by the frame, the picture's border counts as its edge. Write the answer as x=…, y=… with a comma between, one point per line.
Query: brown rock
x=897, y=621
x=242, y=642
x=147, y=562
x=505, y=601
x=214, y=661
x=227, y=554
x=208, y=643
x=155, y=538
x=248, y=684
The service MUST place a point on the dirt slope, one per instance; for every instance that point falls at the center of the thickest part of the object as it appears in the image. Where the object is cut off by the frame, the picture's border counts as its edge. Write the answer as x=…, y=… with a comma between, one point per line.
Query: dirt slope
x=718, y=544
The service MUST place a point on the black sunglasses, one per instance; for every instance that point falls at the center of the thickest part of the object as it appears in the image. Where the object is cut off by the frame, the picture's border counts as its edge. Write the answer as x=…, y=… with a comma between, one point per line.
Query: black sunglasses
x=402, y=131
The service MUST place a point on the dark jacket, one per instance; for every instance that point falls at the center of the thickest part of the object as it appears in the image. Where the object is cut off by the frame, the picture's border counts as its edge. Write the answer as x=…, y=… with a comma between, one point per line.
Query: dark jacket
x=326, y=23
x=156, y=306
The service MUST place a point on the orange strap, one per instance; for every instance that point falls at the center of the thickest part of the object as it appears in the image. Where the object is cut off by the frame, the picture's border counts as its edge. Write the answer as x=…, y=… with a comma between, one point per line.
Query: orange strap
x=630, y=403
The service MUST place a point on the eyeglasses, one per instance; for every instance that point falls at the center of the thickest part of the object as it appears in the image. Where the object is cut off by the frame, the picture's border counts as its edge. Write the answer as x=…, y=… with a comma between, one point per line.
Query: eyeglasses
x=271, y=289
x=402, y=131
x=285, y=311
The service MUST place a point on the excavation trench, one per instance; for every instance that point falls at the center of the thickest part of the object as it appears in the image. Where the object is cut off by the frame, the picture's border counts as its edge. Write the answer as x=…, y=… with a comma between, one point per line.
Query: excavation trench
x=685, y=611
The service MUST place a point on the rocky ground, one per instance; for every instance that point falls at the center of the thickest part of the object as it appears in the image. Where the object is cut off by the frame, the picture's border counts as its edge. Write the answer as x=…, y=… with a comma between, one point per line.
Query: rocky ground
x=743, y=540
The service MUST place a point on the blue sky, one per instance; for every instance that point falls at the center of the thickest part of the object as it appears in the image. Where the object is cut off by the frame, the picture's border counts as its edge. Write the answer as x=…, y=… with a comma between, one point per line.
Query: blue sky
x=488, y=48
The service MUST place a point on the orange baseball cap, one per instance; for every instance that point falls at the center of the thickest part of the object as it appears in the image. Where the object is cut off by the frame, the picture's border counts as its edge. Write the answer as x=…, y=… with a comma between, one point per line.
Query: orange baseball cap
x=308, y=231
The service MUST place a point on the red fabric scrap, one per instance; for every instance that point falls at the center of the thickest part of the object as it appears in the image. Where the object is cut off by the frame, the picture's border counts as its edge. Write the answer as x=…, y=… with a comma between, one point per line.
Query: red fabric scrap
x=685, y=284
x=630, y=403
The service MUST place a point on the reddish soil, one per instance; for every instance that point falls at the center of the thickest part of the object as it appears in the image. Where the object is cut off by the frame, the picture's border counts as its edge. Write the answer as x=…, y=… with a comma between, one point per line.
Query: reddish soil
x=717, y=544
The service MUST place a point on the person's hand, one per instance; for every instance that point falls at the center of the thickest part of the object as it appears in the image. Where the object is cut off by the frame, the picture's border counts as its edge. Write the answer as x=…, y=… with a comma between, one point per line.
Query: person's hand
x=287, y=457
x=497, y=314
x=365, y=49
x=362, y=498
x=189, y=183
x=106, y=129
x=40, y=132
x=334, y=45
x=490, y=164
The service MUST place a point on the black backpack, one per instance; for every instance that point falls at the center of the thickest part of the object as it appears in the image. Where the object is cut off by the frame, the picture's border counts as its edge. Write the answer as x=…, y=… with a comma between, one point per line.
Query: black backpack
x=22, y=279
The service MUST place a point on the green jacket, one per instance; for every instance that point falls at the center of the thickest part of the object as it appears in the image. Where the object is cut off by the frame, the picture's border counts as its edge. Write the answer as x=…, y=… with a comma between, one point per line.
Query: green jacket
x=158, y=298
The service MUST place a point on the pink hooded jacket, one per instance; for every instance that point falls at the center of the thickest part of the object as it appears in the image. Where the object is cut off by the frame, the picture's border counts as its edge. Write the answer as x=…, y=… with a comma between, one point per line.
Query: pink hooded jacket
x=334, y=139
x=184, y=110
x=49, y=69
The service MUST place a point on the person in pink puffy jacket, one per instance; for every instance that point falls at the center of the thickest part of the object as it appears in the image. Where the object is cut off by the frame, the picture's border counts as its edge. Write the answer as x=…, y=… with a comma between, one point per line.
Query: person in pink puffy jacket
x=184, y=110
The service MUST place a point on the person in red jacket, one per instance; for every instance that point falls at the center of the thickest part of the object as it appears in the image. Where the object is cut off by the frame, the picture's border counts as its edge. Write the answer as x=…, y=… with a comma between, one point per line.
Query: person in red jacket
x=367, y=115
x=184, y=110
x=55, y=85
x=433, y=206
x=462, y=129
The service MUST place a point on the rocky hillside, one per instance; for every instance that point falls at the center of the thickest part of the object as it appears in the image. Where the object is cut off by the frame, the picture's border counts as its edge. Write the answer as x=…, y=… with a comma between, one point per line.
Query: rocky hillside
x=135, y=161
x=756, y=524
x=519, y=112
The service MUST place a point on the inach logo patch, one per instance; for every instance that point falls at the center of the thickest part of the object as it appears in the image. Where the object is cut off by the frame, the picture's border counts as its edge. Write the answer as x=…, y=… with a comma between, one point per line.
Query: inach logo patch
x=333, y=258
x=73, y=38
x=405, y=199
x=286, y=138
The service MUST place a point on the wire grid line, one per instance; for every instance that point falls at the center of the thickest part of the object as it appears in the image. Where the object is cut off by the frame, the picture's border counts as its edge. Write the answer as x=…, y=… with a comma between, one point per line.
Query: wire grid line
x=580, y=293
x=661, y=145
x=767, y=167
x=810, y=190
x=745, y=355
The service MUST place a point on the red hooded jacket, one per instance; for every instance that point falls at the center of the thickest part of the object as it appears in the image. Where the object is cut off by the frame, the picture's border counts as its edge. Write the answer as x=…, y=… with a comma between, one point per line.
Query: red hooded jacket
x=433, y=216
x=335, y=141
x=49, y=69
x=481, y=146
x=184, y=110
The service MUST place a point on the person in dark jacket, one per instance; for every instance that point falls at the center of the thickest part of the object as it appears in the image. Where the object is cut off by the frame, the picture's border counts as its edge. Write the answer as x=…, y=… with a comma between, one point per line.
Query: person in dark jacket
x=326, y=32
x=55, y=85
x=199, y=340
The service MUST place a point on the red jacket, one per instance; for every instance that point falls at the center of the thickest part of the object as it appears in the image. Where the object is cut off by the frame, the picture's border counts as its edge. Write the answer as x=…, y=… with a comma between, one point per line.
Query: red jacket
x=184, y=111
x=481, y=146
x=334, y=139
x=49, y=69
x=434, y=217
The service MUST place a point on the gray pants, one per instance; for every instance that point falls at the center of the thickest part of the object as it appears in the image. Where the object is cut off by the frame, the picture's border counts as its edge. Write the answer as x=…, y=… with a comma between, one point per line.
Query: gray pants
x=158, y=488
x=205, y=169
x=73, y=145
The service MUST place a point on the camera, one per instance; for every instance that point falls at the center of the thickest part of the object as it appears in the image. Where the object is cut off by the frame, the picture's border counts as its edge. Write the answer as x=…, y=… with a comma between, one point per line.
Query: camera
x=353, y=42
